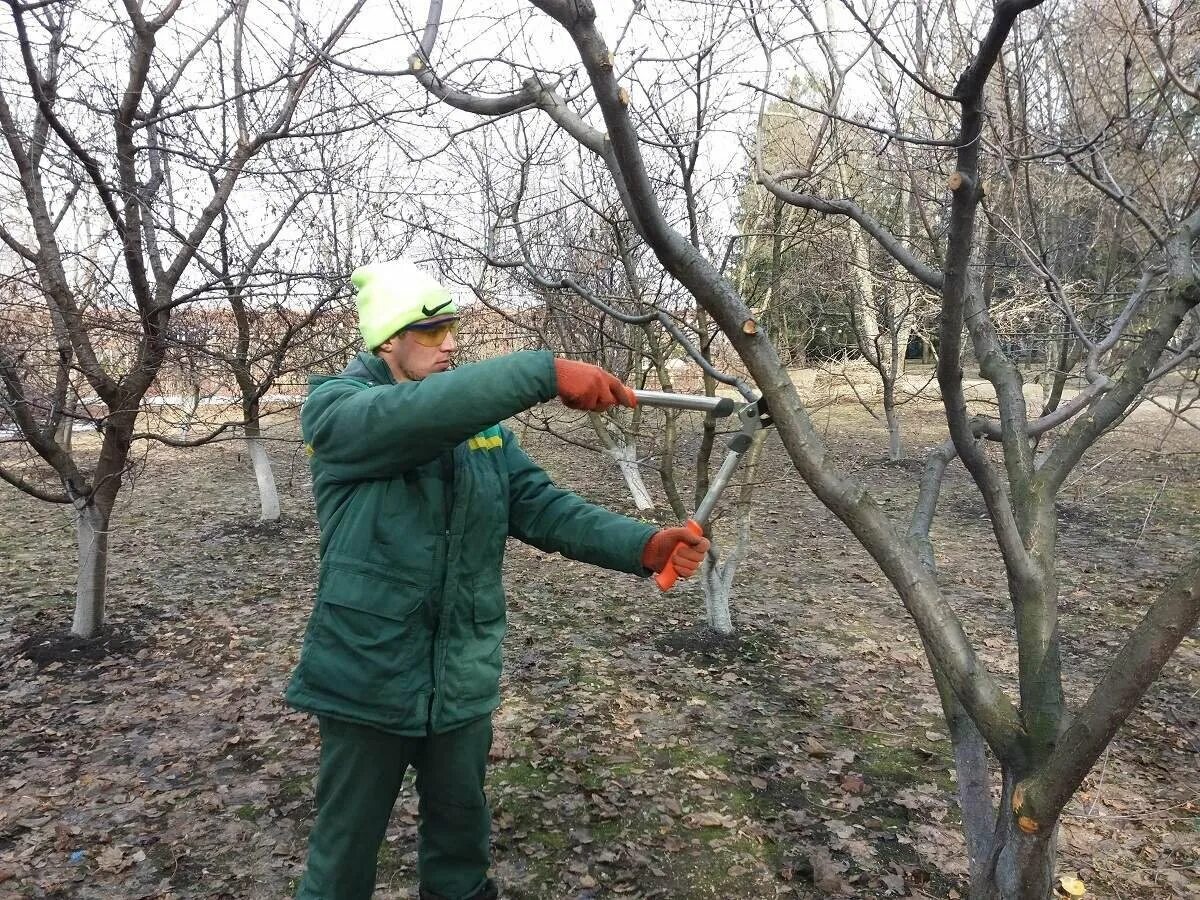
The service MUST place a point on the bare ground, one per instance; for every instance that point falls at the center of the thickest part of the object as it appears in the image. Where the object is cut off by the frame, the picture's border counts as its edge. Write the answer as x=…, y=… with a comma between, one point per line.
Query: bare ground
x=636, y=755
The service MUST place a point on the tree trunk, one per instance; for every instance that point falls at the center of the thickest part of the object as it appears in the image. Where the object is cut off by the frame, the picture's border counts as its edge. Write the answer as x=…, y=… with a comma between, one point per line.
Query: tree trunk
x=895, y=448
x=625, y=456
x=717, y=577
x=190, y=404
x=66, y=425
x=971, y=768
x=666, y=458
x=1175, y=412
x=1061, y=371
x=91, y=537
x=622, y=447
x=716, y=590
x=267, y=492
x=666, y=465
x=708, y=435
x=974, y=783
x=1020, y=866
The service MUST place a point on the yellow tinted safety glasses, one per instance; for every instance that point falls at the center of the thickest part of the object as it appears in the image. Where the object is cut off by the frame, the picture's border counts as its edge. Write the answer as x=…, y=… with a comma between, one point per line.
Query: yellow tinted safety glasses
x=433, y=335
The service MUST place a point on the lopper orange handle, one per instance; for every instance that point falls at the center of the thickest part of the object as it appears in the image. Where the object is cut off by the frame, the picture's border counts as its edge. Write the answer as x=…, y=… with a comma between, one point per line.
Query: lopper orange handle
x=666, y=578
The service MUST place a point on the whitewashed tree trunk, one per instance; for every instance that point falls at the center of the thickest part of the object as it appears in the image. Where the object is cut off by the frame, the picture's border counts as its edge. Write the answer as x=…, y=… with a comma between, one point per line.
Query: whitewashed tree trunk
x=267, y=491
x=190, y=403
x=91, y=537
x=717, y=588
x=892, y=417
x=625, y=456
x=716, y=578
x=621, y=446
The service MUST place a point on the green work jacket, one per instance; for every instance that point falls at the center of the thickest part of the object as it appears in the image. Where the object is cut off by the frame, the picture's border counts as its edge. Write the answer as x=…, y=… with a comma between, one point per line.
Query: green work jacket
x=417, y=489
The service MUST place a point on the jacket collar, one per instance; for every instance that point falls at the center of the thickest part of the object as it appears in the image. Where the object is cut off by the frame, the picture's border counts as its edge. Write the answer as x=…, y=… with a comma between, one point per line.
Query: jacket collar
x=365, y=367
x=368, y=367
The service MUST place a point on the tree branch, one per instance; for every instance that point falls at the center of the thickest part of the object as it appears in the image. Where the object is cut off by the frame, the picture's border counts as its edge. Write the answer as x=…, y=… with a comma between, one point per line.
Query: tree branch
x=1136, y=665
x=1182, y=296
x=866, y=126
x=32, y=489
x=916, y=79
x=921, y=271
x=37, y=87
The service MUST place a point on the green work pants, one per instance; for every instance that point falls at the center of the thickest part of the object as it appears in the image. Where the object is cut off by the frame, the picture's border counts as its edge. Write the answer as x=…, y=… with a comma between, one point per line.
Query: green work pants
x=360, y=776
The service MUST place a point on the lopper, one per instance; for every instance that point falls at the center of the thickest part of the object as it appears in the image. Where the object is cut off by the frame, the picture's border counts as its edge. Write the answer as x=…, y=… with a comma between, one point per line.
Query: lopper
x=753, y=417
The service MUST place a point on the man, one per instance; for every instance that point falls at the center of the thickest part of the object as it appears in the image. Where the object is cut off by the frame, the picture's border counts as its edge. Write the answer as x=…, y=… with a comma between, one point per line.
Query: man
x=417, y=487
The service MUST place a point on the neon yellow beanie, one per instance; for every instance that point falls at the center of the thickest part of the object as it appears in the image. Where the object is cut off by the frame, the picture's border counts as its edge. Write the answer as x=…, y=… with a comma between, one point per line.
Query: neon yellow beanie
x=393, y=295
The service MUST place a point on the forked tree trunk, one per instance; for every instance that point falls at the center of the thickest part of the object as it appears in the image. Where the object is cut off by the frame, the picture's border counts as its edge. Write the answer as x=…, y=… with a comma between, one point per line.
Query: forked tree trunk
x=717, y=578
x=91, y=538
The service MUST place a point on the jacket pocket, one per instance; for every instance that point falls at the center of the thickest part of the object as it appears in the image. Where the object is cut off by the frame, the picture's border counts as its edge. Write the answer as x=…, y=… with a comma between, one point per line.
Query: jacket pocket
x=370, y=645
x=390, y=593
x=488, y=600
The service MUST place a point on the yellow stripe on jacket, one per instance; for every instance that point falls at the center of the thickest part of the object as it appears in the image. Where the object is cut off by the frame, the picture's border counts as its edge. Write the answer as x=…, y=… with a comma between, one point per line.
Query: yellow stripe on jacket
x=485, y=443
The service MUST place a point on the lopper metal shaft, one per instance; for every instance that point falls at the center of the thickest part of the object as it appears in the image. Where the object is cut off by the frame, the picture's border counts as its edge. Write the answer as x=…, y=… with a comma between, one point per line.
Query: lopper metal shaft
x=718, y=406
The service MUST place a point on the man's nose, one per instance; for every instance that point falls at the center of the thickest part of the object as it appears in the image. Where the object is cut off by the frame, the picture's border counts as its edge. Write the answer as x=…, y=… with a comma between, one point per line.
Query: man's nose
x=450, y=343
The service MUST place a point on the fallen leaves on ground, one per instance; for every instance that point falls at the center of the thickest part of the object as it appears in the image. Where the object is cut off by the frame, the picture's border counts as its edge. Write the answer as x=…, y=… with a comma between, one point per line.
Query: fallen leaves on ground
x=636, y=754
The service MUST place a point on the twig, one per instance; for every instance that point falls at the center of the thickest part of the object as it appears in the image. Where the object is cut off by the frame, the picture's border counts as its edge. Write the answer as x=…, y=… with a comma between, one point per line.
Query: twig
x=891, y=734
x=1100, y=780
x=1071, y=482
x=1108, y=490
x=1150, y=509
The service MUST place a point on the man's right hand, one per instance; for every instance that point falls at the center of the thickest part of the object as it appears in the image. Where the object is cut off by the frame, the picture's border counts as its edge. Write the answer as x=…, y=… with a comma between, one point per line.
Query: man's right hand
x=680, y=546
x=584, y=386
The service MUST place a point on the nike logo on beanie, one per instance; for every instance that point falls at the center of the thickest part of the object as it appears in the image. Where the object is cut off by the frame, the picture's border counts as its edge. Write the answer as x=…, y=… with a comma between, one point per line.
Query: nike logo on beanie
x=434, y=311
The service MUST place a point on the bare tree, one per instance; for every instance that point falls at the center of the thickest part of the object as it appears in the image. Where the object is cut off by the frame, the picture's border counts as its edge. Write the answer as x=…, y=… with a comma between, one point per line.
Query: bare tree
x=809, y=133
x=1044, y=749
x=129, y=151
x=275, y=286
x=1051, y=751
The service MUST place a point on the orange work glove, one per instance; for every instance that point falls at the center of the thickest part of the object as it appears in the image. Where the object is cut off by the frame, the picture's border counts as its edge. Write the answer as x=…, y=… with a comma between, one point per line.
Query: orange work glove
x=677, y=545
x=584, y=386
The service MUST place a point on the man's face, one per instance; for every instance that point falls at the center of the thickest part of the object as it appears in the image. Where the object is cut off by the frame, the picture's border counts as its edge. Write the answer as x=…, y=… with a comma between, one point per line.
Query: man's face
x=420, y=350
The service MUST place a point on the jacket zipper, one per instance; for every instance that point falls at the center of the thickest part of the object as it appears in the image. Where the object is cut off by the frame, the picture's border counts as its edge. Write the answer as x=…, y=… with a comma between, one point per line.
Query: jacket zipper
x=447, y=464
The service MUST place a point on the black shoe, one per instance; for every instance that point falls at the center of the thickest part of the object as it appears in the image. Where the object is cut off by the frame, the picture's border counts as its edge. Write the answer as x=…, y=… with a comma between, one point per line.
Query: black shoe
x=487, y=892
